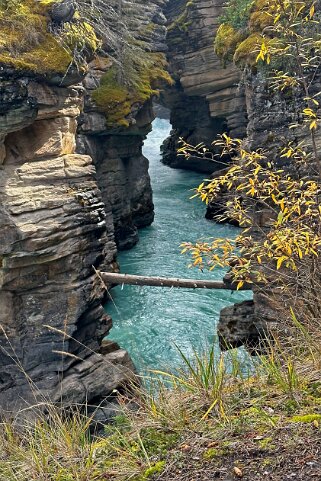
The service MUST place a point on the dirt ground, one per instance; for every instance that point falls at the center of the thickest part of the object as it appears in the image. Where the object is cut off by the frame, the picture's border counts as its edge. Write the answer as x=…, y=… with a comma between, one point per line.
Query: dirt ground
x=292, y=453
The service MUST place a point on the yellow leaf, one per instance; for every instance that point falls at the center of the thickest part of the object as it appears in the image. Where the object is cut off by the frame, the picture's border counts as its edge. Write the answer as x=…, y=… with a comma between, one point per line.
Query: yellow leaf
x=312, y=11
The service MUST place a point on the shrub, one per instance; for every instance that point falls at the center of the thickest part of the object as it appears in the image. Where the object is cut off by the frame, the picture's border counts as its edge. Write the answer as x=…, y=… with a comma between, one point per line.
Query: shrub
x=237, y=13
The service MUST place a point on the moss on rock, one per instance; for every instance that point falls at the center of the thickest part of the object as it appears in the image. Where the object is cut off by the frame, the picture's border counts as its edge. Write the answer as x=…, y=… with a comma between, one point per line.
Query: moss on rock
x=247, y=51
x=226, y=41
x=242, y=44
x=306, y=418
x=116, y=100
x=27, y=44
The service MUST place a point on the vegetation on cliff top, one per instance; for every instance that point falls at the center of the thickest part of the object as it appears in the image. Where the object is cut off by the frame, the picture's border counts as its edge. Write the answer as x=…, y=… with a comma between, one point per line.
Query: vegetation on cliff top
x=239, y=35
x=27, y=43
x=116, y=97
x=31, y=41
x=138, y=72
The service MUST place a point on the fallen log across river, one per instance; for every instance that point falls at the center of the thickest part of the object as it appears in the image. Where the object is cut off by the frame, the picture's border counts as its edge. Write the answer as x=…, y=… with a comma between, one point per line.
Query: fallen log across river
x=116, y=278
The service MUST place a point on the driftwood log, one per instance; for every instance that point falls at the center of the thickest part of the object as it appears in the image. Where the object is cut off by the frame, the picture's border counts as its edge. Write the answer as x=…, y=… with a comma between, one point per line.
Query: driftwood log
x=115, y=278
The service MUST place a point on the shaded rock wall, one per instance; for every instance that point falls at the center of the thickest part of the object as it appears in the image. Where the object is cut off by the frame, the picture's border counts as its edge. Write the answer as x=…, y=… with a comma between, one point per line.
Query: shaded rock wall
x=54, y=230
x=122, y=170
x=270, y=114
x=206, y=98
x=209, y=98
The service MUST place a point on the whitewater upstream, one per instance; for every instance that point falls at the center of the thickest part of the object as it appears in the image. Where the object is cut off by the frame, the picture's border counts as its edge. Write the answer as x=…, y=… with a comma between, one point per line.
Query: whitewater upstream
x=151, y=322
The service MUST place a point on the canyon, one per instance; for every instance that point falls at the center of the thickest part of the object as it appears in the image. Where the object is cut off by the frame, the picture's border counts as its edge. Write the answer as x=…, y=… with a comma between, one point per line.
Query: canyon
x=75, y=189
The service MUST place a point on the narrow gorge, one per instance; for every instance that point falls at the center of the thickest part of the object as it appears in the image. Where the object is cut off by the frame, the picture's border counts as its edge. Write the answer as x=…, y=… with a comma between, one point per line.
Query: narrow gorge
x=74, y=189
x=74, y=181
x=151, y=139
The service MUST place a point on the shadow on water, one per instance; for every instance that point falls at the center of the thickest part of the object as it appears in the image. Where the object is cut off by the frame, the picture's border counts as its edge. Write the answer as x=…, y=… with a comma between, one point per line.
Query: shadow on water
x=150, y=321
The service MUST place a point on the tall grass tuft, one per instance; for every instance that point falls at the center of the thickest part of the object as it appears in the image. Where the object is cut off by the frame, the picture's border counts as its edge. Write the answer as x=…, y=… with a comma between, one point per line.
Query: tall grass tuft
x=204, y=405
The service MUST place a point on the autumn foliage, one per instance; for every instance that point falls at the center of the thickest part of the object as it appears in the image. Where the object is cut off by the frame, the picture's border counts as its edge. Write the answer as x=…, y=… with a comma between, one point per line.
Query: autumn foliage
x=274, y=198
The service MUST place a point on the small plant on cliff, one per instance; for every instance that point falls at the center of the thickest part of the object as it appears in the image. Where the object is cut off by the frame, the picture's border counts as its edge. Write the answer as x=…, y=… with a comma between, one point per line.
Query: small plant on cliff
x=237, y=13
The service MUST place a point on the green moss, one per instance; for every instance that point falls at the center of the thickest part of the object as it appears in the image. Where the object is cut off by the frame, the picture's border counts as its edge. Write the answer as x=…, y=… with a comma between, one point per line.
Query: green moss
x=239, y=36
x=26, y=44
x=213, y=453
x=154, y=469
x=157, y=442
x=47, y=57
x=260, y=20
x=113, y=99
x=306, y=418
x=247, y=51
x=226, y=41
x=116, y=100
x=266, y=444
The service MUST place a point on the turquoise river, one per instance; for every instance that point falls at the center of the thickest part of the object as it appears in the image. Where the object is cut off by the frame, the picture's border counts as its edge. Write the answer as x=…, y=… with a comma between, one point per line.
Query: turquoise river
x=150, y=321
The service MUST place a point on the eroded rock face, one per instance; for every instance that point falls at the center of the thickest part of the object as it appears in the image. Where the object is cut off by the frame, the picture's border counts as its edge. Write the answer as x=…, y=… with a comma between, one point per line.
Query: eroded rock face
x=206, y=99
x=242, y=324
x=122, y=170
x=71, y=192
x=54, y=230
x=270, y=114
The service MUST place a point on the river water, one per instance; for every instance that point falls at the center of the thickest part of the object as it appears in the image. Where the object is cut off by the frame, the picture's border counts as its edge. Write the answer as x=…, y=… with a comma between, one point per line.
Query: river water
x=150, y=322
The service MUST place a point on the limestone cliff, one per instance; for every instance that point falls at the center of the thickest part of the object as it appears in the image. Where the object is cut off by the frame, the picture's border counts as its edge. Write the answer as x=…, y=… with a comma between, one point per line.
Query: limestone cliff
x=122, y=170
x=54, y=229
x=230, y=94
x=72, y=185
x=206, y=98
x=115, y=123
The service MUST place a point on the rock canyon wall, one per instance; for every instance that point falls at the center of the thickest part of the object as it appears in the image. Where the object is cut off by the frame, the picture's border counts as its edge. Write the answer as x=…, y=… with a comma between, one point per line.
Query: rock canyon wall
x=207, y=98
x=54, y=230
x=73, y=188
x=212, y=95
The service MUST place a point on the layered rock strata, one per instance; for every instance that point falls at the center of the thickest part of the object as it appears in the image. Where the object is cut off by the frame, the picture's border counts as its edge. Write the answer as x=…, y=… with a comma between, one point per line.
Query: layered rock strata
x=210, y=98
x=122, y=170
x=206, y=98
x=74, y=187
x=55, y=231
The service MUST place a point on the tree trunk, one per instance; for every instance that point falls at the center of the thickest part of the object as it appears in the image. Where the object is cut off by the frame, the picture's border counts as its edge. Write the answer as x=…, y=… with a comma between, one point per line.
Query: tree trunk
x=114, y=278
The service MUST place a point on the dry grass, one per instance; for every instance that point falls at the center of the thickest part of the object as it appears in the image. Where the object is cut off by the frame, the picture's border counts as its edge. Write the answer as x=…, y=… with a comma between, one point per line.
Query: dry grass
x=210, y=420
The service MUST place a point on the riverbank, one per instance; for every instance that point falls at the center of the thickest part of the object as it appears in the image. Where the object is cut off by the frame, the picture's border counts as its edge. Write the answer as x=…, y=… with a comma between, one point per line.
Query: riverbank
x=203, y=423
